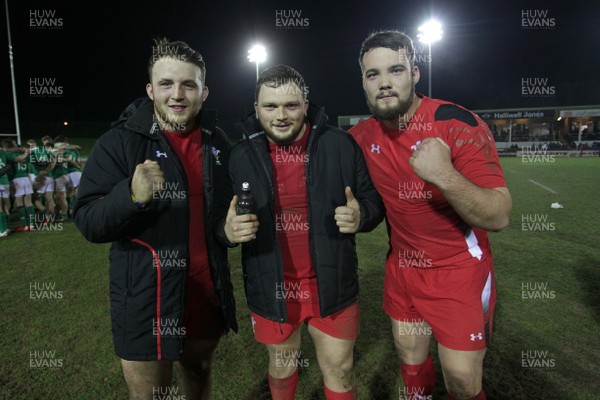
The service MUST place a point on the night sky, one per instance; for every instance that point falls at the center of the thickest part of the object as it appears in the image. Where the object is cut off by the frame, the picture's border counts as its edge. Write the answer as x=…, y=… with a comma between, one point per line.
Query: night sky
x=97, y=53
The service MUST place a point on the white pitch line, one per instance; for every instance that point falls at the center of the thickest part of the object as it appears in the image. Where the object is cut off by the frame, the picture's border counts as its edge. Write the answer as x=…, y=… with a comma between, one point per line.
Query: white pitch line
x=542, y=186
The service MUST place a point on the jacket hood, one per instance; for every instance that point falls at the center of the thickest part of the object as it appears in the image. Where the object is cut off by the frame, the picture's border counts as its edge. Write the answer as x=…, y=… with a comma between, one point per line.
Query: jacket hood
x=138, y=117
x=315, y=115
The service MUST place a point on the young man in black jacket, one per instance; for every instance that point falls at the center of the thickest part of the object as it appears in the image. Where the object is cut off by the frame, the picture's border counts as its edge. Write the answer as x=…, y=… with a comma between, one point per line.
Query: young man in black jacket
x=312, y=192
x=156, y=185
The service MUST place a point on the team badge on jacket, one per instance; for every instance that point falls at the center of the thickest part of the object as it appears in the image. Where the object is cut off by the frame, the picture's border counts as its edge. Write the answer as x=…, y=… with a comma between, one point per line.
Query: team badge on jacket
x=215, y=153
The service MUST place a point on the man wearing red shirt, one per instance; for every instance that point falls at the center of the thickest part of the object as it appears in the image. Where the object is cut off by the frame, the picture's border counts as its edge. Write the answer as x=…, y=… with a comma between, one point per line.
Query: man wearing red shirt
x=436, y=167
x=312, y=193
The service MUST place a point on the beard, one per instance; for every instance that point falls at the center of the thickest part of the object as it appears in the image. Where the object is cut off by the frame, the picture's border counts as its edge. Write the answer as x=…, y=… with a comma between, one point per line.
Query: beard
x=391, y=113
x=284, y=140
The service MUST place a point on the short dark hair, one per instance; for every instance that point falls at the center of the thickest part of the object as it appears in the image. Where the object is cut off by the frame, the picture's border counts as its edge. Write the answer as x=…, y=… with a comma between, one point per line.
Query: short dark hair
x=9, y=143
x=278, y=75
x=60, y=139
x=164, y=48
x=390, y=39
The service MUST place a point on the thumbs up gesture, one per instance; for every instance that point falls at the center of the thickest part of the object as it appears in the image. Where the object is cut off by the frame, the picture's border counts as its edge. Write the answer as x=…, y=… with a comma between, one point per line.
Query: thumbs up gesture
x=347, y=217
x=240, y=228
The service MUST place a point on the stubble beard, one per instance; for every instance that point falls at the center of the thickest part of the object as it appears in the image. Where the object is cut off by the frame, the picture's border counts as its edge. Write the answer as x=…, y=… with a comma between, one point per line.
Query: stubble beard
x=287, y=140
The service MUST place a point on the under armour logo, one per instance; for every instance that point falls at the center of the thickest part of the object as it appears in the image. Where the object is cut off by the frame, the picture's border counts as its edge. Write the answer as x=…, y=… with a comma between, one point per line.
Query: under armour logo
x=474, y=337
x=375, y=148
x=415, y=146
x=159, y=154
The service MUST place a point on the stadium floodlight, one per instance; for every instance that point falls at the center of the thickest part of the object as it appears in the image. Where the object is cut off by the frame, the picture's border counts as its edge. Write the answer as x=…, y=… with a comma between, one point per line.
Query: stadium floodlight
x=430, y=32
x=257, y=54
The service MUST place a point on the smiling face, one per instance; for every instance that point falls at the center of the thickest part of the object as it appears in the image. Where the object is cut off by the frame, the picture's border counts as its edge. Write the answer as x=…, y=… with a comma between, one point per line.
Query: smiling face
x=389, y=82
x=178, y=92
x=281, y=112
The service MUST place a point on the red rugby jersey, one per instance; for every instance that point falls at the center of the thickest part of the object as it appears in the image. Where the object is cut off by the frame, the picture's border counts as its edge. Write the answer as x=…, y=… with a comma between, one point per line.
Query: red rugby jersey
x=425, y=231
x=291, y=206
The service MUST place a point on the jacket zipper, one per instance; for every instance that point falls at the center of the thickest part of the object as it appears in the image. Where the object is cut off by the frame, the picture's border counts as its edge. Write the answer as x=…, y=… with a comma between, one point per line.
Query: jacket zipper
x=271, y=202
x=310, y=146
x=156, y=260
x=183, y=178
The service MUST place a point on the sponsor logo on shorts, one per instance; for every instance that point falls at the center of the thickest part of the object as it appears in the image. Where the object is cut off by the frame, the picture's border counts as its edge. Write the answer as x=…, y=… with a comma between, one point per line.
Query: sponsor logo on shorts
x=476, y=336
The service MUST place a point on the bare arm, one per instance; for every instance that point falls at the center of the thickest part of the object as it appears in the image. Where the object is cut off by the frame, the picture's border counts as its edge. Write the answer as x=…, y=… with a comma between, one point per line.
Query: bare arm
x=483, y=208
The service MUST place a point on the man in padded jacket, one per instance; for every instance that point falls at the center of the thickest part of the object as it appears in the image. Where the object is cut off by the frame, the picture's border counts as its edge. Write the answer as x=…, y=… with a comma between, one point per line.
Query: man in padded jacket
x=156, y=185
x=312, y=192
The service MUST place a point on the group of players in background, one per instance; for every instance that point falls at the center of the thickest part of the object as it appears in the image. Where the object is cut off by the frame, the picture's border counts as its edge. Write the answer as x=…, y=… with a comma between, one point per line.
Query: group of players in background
x=38, y=183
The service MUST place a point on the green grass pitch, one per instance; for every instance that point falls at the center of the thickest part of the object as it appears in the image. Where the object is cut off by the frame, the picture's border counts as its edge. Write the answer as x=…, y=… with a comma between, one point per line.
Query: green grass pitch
x=546, y=326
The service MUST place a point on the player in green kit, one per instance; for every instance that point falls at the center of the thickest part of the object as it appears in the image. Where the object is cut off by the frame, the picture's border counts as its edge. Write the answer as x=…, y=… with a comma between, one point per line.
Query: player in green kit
x=7, y=159
x=22, y=184
x=43, y=161
x=71, y=155
x=61, y=180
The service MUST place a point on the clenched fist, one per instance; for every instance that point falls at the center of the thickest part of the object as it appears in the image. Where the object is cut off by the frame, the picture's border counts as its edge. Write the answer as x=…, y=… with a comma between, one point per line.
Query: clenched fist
x=147, y=179
x=432, y=160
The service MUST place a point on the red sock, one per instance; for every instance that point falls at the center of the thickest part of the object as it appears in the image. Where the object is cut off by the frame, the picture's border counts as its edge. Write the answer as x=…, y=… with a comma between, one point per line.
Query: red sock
x=284, y=389
x=331, y=395
x=480, y=396
x=418, y=379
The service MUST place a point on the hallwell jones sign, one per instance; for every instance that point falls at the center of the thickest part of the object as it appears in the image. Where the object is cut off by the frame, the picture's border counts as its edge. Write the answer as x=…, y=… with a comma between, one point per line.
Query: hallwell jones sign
x=538, y=155
x=517, y=114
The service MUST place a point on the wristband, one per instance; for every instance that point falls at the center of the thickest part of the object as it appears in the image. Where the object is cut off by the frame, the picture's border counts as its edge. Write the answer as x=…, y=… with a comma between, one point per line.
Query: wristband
x=137, y=203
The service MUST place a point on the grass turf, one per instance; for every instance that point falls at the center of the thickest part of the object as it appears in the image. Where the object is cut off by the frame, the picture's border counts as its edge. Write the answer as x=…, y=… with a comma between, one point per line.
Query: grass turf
x=559, y=334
